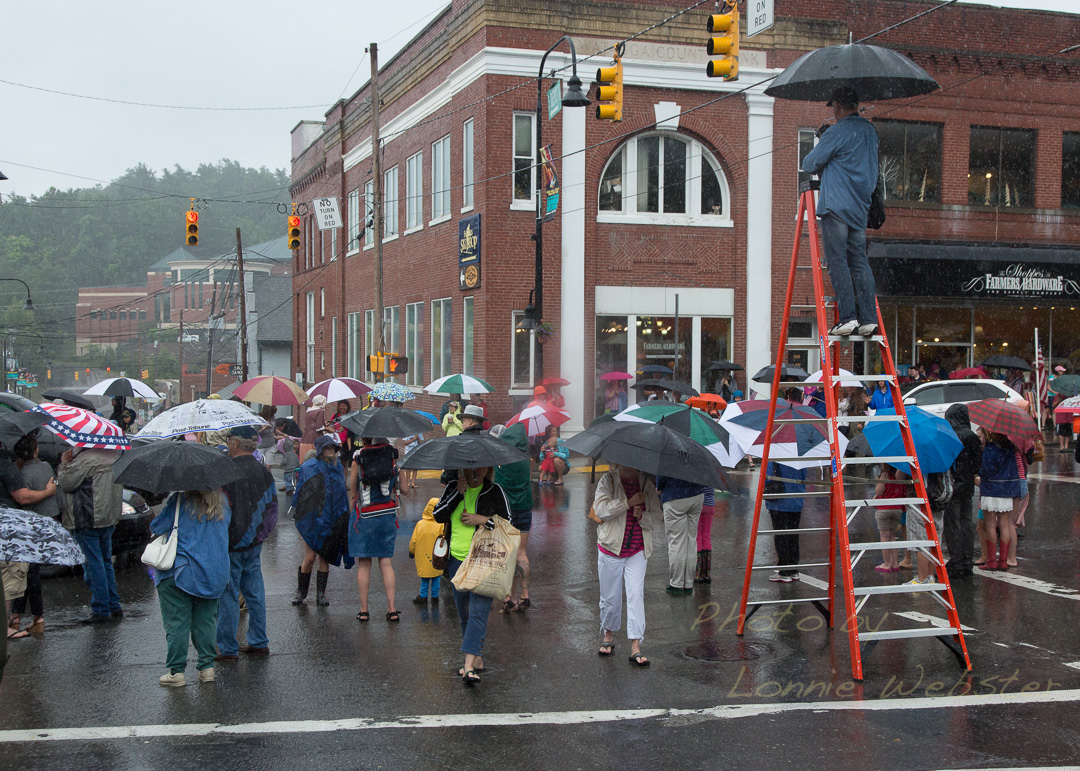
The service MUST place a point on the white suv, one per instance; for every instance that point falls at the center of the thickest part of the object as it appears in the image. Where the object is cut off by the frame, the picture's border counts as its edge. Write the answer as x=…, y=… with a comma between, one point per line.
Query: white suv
x=936, y=397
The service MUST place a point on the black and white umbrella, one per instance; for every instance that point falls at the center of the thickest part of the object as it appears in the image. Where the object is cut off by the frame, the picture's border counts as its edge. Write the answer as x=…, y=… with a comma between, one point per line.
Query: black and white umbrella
x=874, y=72
x=122, y=386
x=29, y=537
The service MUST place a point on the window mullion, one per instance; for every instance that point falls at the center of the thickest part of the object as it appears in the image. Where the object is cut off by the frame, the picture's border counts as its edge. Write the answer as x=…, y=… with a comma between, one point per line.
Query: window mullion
x=630, y=186
x=660, y=150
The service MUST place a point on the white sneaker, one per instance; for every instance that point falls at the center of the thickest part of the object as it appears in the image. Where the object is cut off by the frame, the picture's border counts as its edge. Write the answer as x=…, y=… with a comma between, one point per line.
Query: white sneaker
x=780, y=577
x=206, y=675
x=172, y=680
x=844, y=328
x=916, y=581
x=867, y=330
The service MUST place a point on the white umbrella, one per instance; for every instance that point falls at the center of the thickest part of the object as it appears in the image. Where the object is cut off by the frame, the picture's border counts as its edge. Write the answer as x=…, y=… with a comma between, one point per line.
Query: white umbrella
x=122, y=386
x=538, y=417
x=200, y=415
x=816, y=378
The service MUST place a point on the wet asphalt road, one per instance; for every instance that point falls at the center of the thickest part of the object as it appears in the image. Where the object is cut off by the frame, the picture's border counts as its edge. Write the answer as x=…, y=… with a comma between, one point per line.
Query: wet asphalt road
x=325, y=666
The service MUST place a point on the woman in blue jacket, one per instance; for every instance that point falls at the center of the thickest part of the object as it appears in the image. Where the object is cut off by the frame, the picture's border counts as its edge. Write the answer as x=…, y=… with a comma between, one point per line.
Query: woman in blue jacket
x=321, y=509
x=999, y=484
x=188, y=592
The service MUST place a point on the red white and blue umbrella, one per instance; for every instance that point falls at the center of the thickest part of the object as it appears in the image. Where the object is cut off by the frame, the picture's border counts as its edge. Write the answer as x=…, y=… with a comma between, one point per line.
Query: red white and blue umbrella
x=538, y=416
x=81, y=428
x=746, y=422
x=339, y=389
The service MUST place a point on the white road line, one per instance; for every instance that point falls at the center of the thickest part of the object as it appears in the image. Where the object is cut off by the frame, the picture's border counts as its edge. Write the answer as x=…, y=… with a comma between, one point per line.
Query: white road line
x=1027, y=582
x=502, y=720
x=1073, y=664
x=942, y=623
x=1053, y=477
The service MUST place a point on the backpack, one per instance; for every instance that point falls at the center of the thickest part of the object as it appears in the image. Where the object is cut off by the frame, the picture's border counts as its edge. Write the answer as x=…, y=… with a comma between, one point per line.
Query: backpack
x=376, y=464
x=939, y=488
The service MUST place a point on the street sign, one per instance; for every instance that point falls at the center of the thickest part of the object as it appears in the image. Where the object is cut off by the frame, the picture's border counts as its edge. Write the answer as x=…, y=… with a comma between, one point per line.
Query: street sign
x=760, y=16
x=554, y=96
x=327, y=214
x=236, y=370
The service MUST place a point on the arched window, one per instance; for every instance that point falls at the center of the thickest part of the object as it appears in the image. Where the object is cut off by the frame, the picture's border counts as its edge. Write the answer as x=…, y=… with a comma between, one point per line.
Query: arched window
x=665, y=178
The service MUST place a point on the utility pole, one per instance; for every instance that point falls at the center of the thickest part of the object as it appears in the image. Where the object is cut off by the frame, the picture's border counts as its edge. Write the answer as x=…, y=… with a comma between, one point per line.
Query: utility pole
x=181, y=354
x=376, y=194
x=210, y=342
x=243, y=309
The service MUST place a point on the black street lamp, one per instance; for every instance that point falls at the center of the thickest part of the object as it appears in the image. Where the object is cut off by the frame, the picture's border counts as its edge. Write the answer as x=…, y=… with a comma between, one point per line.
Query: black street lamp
x=29, y=306
x=574, y=97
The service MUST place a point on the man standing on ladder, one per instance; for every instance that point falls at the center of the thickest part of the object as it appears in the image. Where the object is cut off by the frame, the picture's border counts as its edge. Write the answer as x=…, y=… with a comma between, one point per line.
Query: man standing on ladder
x=846, y=158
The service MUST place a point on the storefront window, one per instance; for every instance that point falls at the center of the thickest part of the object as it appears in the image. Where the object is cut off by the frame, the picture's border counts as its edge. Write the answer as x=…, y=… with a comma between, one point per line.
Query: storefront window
x=1070, y=170
x=1001, y=167
x=1009, y=330
x=909, y=160
x=715, y=346
x=656, y=343
x=612, y=339
x=943, y=325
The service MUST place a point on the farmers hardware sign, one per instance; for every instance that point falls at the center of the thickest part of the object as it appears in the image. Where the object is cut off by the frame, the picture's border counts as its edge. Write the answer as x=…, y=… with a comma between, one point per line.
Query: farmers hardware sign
x=1021, y=280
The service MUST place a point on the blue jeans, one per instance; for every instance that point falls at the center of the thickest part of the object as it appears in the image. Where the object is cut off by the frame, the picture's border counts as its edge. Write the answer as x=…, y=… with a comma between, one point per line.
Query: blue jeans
x=473, y=610
x=96, y=543
x=245, y=576
x=429, y=586
x=852, y=279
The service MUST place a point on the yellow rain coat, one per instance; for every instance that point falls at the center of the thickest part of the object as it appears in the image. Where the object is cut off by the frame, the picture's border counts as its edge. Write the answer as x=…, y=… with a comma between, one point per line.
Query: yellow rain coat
x=423, y=541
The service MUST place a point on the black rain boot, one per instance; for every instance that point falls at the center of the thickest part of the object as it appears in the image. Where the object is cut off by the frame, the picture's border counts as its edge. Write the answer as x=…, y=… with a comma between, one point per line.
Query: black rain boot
x=320, y=589
x=706, y=572
x=699, y=573
x=303, y=581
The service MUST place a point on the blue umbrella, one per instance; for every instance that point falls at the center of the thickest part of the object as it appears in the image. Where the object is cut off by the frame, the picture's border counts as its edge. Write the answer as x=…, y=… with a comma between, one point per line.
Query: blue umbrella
x=936, y=445
x=430, y=416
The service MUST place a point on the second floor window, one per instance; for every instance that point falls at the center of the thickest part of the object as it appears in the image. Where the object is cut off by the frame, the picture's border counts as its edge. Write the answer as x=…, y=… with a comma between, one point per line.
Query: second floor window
x=354, y=221
x=1001, y=167
x=524, y=152
x=440, y=179
x=414, y=192
x=390, y=203
x=909, y=160
x=1070, y=170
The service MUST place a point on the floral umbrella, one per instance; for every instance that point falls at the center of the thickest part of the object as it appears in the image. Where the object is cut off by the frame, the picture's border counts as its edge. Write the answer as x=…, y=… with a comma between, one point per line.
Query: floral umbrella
x=80, y=428
x=1065, y=411
x=391, y=392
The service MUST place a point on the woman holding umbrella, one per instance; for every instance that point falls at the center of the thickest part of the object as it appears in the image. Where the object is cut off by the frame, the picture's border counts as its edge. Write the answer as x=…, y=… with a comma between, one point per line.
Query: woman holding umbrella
x=314, y=423
x=373, y=506
x=999, y=484
x=321, y=503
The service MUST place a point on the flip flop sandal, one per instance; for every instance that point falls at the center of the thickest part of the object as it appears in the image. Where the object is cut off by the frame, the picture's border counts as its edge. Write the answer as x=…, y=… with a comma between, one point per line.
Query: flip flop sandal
x=606, y=648
x=363, y=616
x=471, y=678
x=510, y=607
x=17, y=634
x=393, y=616
x=638, y=659
x=524, y=604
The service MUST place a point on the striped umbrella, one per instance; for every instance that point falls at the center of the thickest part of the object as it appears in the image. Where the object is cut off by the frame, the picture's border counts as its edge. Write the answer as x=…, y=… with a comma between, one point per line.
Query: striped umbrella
x=691, y=422
x=340, y=388
x=538, y=416
x=271, y=389
x=391, y=392
x=80, y=428
x=459, y=384
x=746, y=422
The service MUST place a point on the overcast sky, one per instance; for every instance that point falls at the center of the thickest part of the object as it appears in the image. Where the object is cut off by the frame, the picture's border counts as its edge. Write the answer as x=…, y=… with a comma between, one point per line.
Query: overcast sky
x=237, y=53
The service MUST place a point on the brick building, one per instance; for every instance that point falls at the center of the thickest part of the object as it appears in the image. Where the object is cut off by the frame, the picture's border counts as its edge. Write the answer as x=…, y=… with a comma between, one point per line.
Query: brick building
x=691, y=199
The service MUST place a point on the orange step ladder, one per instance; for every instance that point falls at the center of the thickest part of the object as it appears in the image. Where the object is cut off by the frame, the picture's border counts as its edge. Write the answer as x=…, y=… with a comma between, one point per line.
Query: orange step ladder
x=844, y=510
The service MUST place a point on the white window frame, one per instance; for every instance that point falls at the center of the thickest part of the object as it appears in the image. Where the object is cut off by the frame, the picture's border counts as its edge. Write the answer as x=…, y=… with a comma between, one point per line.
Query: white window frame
x=333, y=346
x=468, y=172
x=310, y=357
x=696, y=154
x=515, y=387
x=390, y=204
x=369, y=215
x=322, y=303
x=444, y=308
x=440, y=180
x=352, y=346
x=414, y=343
x=523, y=204
x=798, y=160
x=414, y=193
x=369, y=335
x=468, y=332
x=353, y=244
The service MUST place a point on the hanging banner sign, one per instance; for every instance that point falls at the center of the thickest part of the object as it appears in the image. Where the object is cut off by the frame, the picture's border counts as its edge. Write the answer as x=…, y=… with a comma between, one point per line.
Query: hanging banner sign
x=469, y=252
x=551, y=184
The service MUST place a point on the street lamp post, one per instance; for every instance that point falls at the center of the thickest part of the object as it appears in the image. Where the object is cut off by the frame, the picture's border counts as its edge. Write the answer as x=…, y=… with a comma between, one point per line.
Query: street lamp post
x=574, y=97
x=29, y=306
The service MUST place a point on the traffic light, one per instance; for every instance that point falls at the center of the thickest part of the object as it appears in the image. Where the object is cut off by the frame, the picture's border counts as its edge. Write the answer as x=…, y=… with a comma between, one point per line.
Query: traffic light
x=397, y=365
x=192, y=228
x=376, y=363
x=294, y=232
x=146, y=374
x=726, y=45
x=609, y=91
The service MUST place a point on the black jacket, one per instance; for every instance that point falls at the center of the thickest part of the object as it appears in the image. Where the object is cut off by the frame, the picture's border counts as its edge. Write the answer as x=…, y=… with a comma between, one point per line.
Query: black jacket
x=490, y=503
x=969, y=461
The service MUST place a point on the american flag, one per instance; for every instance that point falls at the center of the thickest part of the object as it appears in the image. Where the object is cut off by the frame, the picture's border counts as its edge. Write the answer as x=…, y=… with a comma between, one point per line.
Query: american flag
x=808, y=398
x=1041, y=378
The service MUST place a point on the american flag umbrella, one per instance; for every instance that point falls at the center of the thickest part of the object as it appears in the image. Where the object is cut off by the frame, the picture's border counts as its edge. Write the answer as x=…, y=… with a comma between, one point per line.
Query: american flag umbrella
x=340, y=388
x=271, y=389
x=538, y=416
x=747, y=421
x=1001, y=417
x=80, y=428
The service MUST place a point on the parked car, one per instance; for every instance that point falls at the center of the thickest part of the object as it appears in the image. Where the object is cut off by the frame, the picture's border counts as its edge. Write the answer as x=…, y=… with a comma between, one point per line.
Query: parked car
x=936, y=397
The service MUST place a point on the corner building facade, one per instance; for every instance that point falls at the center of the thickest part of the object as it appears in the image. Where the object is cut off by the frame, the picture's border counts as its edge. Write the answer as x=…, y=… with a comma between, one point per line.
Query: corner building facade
x=674, y=229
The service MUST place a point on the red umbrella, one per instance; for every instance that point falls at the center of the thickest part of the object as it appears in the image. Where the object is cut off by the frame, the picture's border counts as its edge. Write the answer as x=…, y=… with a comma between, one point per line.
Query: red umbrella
x=707, y=401
x=1001, y=417
x=559, y=382
x=616, y=376
x=967, y=372
x=538, y=416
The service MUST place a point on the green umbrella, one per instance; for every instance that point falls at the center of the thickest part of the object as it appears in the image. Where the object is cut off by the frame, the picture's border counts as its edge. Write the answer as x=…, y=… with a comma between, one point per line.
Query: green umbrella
x=459, y=384
x=689, y=422
x=1069, y=385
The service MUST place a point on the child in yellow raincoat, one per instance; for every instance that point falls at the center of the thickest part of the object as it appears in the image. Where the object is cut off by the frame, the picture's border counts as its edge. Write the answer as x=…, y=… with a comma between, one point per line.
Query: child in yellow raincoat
x=421, y=546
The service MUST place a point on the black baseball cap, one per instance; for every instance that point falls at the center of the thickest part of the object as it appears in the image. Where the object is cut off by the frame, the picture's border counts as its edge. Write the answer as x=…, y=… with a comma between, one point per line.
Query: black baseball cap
x=843, y=95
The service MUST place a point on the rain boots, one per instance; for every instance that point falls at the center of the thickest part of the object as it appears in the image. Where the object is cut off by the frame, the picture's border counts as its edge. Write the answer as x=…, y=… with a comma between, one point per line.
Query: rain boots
x=303, y=581
x=704, y=567
x=320, y=588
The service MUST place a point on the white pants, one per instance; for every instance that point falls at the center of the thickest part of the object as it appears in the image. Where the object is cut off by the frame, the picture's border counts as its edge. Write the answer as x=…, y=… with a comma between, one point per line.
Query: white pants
x=681, y=522
x=615, y=573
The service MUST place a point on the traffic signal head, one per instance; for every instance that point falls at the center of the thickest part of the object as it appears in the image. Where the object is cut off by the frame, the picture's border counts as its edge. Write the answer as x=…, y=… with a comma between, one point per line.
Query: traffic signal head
x=192, y=228
x=397, y=365
x=294, y=232
x=724, y=44
x=609, y=91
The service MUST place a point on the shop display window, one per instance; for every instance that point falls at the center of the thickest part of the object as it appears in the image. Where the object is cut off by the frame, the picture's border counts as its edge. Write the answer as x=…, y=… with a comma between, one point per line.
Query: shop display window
x=909, y=160
x=1001, y=167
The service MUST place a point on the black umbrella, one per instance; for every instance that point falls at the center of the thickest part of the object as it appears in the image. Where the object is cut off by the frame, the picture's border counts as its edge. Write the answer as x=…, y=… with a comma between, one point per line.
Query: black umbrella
x=69, y=398
x=656, y=369
x=723, y=366
x=652, y=448
x=789, y=372
x=164, y=467
x=677, y=386
x=472, y=449
x=875, y=73
x=15, y=425
x=385, y=421
x=1007, y=362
